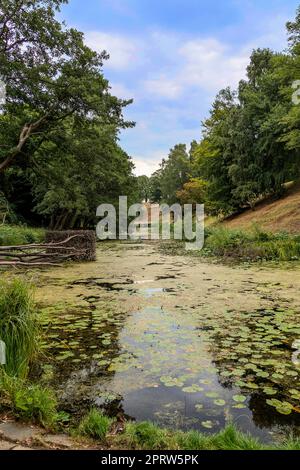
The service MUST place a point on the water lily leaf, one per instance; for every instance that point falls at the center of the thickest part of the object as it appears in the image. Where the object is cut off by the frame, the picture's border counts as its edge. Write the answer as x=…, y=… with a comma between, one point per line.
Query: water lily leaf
x=207, y=424
x=192, y=389
x=226, y=373
x=277, y=376
x=270, y=391
x=292, y=373
x=211, y=394
x=239, y=398
x=295, y=394
x=282, y=407
x=262, y=374
x=199, y=407
x=220, y=402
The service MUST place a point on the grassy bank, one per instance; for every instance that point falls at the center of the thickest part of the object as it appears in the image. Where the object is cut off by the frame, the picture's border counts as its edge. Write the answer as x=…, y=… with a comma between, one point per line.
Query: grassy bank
x=253, y=245
x=20, y=235
x=20, y=332
x=148, y=436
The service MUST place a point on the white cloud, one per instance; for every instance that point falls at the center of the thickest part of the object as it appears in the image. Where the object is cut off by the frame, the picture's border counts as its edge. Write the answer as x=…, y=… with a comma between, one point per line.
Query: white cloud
x=123, y=52
x=145, y=167
x=163, y=86
x=121, y=91
x=211, y=65
x=206, y=64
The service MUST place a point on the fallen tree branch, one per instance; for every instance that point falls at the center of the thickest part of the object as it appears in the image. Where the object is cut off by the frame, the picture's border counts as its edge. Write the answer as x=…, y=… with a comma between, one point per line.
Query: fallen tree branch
x=40, y=254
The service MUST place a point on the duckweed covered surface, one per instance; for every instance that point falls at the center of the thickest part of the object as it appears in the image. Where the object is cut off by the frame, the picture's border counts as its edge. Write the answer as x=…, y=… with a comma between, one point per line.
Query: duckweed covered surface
x=187, y=345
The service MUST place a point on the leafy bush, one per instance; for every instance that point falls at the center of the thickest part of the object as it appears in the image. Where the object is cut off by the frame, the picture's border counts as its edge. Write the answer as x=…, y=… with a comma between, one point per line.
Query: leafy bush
x=19, y=327
x=29, y=402
x=34, y=403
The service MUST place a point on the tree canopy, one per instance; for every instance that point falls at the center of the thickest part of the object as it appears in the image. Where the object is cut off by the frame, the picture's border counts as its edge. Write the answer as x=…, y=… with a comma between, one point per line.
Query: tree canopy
x=60, y=123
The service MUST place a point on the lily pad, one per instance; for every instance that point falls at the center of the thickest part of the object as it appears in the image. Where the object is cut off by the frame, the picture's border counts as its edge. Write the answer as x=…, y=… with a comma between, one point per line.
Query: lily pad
x=207, y=424
x=239, y=398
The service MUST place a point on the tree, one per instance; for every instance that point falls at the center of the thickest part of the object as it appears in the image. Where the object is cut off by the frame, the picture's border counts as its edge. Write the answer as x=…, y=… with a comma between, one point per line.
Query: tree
x=155, y=186
x=144, y=189
x=59, y=152
x=50, y=74
x=174, y=173
x=193, y=192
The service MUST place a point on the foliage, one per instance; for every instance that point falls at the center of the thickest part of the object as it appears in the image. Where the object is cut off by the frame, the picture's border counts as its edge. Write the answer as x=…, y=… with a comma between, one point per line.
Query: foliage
x=193, y=192
x=148, y=436
x=94, y=425
x=144, y=189
x=29, y=402
x=20, y=235
x=59, y=152
x=255, y=245
x=172, y=175
x=19, y=327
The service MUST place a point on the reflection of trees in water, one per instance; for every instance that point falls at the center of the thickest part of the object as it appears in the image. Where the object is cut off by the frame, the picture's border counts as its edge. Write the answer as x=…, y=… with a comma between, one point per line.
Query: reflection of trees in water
x=79, y=381
x=264, y=416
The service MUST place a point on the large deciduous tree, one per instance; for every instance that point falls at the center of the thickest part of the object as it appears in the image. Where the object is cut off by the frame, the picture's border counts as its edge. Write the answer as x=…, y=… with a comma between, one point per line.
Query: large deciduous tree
x=50, y=74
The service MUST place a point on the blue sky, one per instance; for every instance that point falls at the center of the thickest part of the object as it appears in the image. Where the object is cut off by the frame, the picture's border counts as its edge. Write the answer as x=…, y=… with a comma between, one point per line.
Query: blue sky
x=172, y=57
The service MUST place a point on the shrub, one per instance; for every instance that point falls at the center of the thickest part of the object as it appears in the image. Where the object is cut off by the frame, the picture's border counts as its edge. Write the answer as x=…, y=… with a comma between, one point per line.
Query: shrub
x=34, y=403
x=29, y=402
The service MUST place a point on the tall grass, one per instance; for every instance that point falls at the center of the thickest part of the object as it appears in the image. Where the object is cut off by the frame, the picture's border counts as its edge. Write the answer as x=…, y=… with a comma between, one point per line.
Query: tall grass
x=94, y=425
x=19, y=327
x=148, y=436
x=20, y=235
x=251, y=245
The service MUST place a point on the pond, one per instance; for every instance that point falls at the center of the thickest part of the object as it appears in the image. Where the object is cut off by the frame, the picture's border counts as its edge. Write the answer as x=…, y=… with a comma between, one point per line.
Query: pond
x=175, y=341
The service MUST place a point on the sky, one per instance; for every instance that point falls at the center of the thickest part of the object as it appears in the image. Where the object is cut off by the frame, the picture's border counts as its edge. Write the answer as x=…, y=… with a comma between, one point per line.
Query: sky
x=172, y=57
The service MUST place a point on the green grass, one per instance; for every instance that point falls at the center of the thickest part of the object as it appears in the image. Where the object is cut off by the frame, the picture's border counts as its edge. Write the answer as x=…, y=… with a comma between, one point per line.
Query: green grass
x=19, y=326
x=254, y=245
x=147, y=436
x=94, y=425
x=20, y=235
